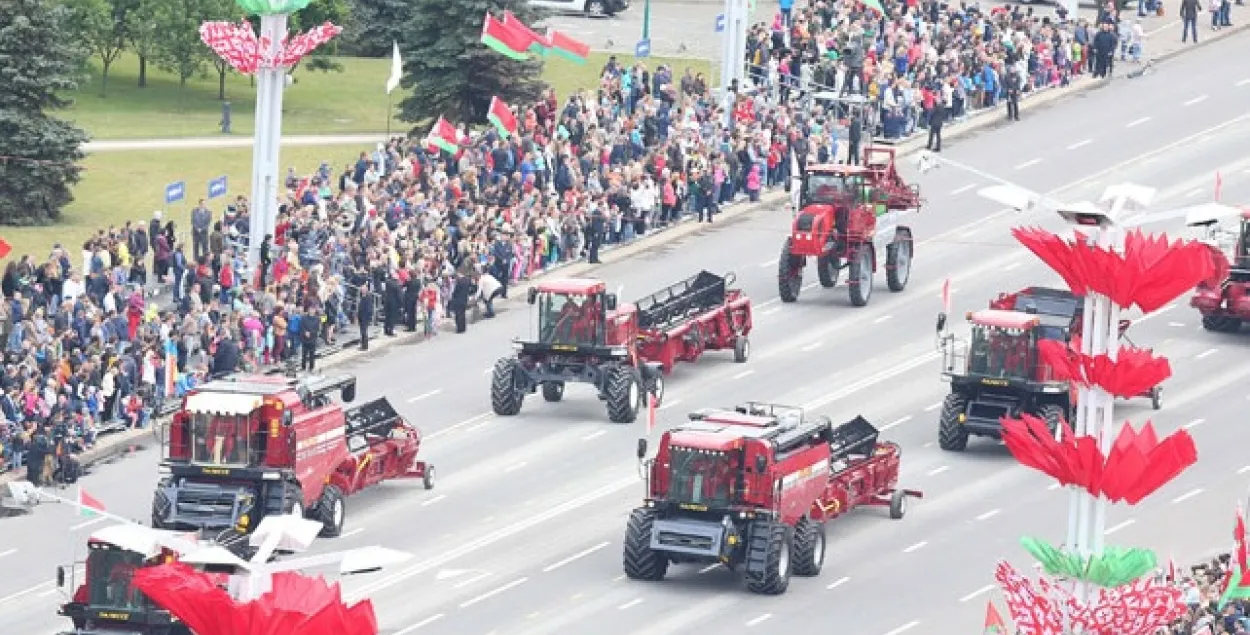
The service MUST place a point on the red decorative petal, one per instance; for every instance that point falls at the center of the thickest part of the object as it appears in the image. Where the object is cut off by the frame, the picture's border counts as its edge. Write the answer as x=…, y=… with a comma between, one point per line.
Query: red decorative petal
x=294, y=49
x=1138, y=608
x=237, y=44
x=1032, y=609
x=1133, y=372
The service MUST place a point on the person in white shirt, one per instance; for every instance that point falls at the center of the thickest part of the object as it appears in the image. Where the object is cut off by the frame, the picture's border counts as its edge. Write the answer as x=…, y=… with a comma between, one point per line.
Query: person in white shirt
x=73, y=288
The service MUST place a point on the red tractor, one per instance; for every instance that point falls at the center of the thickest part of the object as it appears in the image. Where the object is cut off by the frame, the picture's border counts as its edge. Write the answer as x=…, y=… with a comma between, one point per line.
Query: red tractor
x=752, y=488
x=848, y=217
x=623, y=352
x=1224, y=309
x=241, y=449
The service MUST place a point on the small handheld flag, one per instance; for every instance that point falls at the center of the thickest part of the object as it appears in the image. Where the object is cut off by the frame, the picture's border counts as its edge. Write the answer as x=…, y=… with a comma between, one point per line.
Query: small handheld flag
x=1219, y=185
x=87, y=504
x=946, y=296
x=994, y=624
x=397, y=69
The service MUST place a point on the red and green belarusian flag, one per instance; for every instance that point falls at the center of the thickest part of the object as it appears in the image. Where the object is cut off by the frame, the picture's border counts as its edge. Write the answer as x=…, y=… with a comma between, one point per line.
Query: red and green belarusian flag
x=501, y=117
x=874, y=5
x=537, y=43
x=87, y=504
x=567, y=47
x=1237, y=585
x=994, y=624
x=444, y=136
x=506, y=40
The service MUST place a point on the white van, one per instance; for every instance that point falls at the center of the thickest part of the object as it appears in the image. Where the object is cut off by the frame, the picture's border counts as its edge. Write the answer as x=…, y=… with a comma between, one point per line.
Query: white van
x=594, y=8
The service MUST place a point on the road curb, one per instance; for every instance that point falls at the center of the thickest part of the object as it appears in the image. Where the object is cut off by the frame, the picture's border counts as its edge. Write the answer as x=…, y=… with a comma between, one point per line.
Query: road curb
x=107, y=447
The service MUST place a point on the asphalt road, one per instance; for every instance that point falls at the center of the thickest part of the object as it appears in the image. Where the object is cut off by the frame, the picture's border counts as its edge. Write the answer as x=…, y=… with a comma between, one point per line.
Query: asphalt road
x=523, y=532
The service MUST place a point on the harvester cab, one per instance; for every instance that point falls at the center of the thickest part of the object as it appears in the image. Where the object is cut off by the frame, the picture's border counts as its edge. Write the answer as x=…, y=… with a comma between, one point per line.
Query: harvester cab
x=1226, y=308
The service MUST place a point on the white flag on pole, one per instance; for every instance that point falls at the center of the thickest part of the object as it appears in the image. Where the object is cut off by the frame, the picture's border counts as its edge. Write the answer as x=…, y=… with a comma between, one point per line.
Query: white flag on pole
x=397, y=70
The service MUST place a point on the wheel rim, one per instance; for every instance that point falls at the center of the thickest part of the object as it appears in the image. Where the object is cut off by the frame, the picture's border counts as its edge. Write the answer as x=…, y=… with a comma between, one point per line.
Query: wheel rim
x=783, y=561
x=746, y=349
x=902, y=262
x=818, y=554
x=595, y=8
x=659, y=387
x=865, y=274
x=429, y=475
x=338, y=512
x=633, y=393
x=902, y=505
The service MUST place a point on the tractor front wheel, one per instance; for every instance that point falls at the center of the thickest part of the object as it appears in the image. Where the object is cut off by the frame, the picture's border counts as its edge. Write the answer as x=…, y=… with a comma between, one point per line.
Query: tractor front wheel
x=859, y=278
x=1221, y=323
x=898, y=505
x=770, y=543
x=623, y=394
x=553, y=391
x=789, y=274
x=809, y=547
x=640, y=560
x=828, y=268
x=898, y=261
x=505, y=397
x=952, y=436
x=331, y=510
x=1052, y=415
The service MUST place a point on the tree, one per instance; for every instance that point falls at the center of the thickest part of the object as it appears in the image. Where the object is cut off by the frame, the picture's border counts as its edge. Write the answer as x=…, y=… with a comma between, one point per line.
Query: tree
x=40, y=152
x=176, y=45
x=101, y=26
x=449, y=72
x=142, y=35
x=377, y=23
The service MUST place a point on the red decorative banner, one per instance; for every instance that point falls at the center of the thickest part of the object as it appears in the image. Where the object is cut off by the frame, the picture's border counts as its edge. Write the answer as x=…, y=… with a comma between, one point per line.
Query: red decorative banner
x=295, y=604
x=1150, y=273
x=1138, y=465
x=1139, y=608
x=1133, y=372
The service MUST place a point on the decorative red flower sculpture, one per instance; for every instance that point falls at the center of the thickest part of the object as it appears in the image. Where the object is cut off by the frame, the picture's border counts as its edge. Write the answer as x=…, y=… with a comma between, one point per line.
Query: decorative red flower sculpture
x=294, y=49
x=1133, y=372
x=246, y=53
x=295, y=604
x=1138, y=463
x=1150, y=273
x=1138, y=608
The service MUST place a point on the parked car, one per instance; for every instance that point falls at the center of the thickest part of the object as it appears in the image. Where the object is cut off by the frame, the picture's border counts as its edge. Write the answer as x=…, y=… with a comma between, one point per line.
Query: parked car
x=594, y=8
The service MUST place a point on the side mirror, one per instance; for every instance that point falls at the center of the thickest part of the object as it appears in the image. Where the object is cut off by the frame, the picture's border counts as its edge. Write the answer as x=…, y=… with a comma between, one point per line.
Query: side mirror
x=348, y=394
x=60, y=577
x=642, y=449
x=609, y=301
x=288, y=418
x=941, y=322
x=532, y=296
x=761, y=463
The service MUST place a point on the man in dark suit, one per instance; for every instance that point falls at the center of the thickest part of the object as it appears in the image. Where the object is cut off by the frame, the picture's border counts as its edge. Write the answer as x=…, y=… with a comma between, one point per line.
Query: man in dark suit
x=364, y=313
x=459, y=303
x=390, y=304
x=309, y=330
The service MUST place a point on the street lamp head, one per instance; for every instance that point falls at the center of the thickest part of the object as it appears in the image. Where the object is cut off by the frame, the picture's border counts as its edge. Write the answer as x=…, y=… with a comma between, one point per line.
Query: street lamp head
x=1086, y=214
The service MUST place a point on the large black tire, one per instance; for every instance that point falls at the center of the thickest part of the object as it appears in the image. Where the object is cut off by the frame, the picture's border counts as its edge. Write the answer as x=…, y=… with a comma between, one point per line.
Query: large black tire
x=828, y=268
x=640, y=560
x=1156, y=397
x=898, y=260
x=1052, y=415
x=898, y=505
x=1221, y=323
x=624, y=395
x=789, y=277
x=809, y=548
x=160, y=506
x=742, y=349
x=505, y=397
x=284, y=499
x=859, y=276
x=952, y=436
x=553, y=391
x=331, y=510
x=770, y=544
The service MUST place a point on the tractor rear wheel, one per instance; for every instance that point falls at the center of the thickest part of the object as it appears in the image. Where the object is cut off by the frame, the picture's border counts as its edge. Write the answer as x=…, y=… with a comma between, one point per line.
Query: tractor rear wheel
x=771, y=543
x=331, y=510
x=952, y=436
x=1221, y=323
x=859, y=278
x=742, y=349
x=640, y=560
x=898, y=261
x=1052, y=415
x=828, y=268
x=623, y=394
x=553, y=391
x=809, y=547
x=505, y=397
x=789, y=277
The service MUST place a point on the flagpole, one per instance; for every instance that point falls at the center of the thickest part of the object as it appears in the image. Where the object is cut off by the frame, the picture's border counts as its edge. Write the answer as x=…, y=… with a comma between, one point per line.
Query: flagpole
x=389, y=111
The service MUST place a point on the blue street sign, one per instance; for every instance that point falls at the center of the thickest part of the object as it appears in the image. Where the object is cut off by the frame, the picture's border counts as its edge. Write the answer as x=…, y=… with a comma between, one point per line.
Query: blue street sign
x=642, y=48
x=217, y=187
x=175, y=192
x=720, y=23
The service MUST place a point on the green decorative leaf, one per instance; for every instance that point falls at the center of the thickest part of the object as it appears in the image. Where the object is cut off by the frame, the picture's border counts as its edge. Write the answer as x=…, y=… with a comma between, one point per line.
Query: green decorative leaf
x=271, y=7
x=1113, y=567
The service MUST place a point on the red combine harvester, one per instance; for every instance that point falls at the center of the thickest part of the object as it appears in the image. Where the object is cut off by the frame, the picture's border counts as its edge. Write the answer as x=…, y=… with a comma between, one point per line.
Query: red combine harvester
x=848, y=217
x=1224, y=309
x=752, y=488
x=242, y=449
x=623, y=352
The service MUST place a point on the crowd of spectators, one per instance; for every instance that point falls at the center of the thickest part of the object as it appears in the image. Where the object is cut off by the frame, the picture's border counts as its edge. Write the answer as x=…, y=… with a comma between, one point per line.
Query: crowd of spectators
x=1202, y=585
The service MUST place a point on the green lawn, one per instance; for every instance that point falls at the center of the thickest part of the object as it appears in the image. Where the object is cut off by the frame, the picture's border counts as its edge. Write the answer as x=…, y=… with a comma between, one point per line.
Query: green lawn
x=352, y=101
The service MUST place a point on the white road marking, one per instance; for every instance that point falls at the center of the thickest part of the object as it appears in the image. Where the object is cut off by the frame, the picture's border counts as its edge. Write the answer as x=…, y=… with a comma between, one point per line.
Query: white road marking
x=978, y=593
x=1244, y=469
x=1243, y=82
x=760, y=620
x=745, y=373
x=1137, y=122
x=481, y=576
x=1011, y=266
x=426, y=394
x=1053, y=486
x=513, y=468
x=479, y=425
x=37, y=587
x=810, y=285
x=452, y=428
x=904, y=628
x=927, y=445
x=1176, y=324
x=619, y=578
x=932, y=407
x=1187, y=495
x=885, y=375
x=7, y=552
x=1080, y=144
x=709, y=568
x=916, y=547
x=938, y=470
x=47, y=593
x=349, y=534
x=490, y=594
x=488, y=370
x=594, y=435
x=88, y=523
x=1112, y=530
x=633, y=602
x=581, y=554
x=425, y=622
x=669, y=404
x=966, y=235
x=837, y=583
x=1154, y=314
x=897, y=422
x=433, y=500
x=961, y=190
x=988, y=515
x=1028, y=164
x=768, y=263
x=1194, y=424
x=1207, y=353
x=811, y=347
x=771, y=311
x=881, y=319
x=1194, y=192
x=1196, y=100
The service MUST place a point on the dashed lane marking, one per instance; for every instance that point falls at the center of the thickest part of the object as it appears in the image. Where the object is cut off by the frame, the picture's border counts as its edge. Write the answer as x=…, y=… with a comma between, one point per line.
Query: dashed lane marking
x=709, y=568
x=904, y=628
x=1194, y=192
x=669, y=404
x=932, y=407
x=745, y=373
x=898, y=422
x=1187, y=495
x=14, y=596
x=349, y=534
x=1243, y=82
x=1194, y=424
x=961, y=190
x=1053, y=486
x=425, y=622
x=1136, y=122
x=594, y=435
x=427, y=394
x=978, y=593
x=759, y=620
x=1080, y=144
x=477, y=578
x=988, y=515
x=768, y=263
x=433, y=500
x=1123, y=525
x=452, y=428
x=1196, y=100
x=811, y=347
x=1011, y=266
x=492, y=593
x=881, y=319
x=1207, y=353
x=7, y=552
x=513, y=468
x=771, y=311
x=916, y=547
x=88, y=523
x=1244, y=469
x=837, y=583
x=1176, y=324
x=938, y=470
x=632, y=603
x=1028, y=164
x=577, y=556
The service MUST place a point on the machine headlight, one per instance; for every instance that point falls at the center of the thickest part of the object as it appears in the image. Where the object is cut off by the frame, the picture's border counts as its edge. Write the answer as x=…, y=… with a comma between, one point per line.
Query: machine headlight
x=243, y=521
x=619, y=351
x=516, y=346
x=271, y=476
x=1054, y=388
x=163, y=469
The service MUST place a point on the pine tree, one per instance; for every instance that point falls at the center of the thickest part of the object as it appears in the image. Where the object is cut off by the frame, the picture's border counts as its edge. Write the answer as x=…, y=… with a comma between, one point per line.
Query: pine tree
x=39, y=153
x=450, y=73
x=375, y=24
